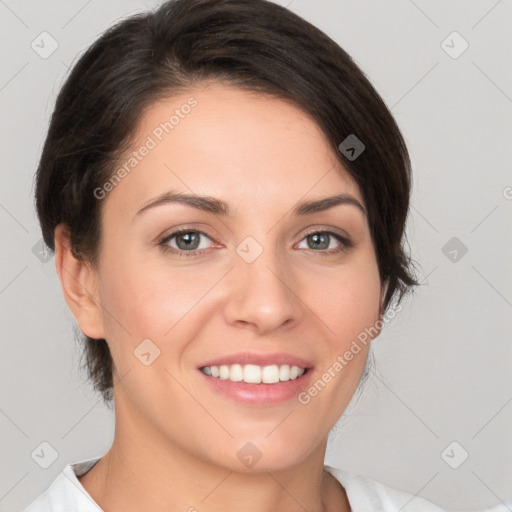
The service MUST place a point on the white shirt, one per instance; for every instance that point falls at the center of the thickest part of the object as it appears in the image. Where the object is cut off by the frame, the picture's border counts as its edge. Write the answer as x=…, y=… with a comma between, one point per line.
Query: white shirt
x=66, y=494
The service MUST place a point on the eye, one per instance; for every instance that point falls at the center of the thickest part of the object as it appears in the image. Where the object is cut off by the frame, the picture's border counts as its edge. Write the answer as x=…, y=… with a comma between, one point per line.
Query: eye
x=188, y=242
x=319, y=241
x=185, y=242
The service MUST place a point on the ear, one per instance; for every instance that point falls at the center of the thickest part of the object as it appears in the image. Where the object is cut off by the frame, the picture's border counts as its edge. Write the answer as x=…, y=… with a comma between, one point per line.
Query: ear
x=79, y=282
x=384, y=289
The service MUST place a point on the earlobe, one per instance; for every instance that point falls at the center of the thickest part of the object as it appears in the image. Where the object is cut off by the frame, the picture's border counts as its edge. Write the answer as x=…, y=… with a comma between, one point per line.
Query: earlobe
x=79, y=284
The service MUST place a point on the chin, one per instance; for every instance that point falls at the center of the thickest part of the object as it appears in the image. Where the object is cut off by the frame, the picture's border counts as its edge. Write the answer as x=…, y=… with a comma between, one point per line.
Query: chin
x=264, y=454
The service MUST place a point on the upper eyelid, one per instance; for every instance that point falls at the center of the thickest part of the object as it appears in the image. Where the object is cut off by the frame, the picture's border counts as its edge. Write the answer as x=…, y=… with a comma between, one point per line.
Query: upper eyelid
x=326, y=230
x=177, y=232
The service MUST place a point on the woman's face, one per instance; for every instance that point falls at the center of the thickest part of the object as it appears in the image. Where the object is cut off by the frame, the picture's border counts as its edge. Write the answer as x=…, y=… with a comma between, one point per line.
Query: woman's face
x=260, y=279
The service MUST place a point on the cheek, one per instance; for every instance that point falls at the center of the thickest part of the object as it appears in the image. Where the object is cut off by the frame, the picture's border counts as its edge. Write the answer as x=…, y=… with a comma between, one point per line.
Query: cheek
x=348, y=301
x=349, y=307
x=142, y=300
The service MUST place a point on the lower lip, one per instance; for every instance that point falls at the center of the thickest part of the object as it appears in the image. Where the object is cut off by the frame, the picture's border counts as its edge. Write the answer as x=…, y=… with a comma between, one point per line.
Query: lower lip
x=260, y=394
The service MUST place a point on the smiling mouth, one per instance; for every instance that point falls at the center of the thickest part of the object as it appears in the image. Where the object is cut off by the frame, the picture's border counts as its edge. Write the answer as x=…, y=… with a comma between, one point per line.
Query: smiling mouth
x=255, y=374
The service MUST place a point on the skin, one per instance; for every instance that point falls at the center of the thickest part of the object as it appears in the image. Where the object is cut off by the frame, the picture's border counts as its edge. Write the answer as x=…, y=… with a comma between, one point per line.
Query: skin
x=176, y=440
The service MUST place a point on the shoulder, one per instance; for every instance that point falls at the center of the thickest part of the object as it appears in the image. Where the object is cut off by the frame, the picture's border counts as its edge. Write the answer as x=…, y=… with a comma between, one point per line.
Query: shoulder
x=66, y=493
x=365, y=493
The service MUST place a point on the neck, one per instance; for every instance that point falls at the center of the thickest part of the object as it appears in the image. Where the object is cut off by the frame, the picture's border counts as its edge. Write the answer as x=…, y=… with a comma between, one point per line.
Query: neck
x=136, y=474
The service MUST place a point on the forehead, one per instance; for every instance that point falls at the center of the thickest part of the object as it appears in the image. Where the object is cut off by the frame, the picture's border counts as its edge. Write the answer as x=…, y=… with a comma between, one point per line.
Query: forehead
x=225, y=141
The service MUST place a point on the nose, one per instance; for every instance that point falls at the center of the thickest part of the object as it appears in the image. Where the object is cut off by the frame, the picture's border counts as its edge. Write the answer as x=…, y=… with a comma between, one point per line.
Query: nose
x=262, y=295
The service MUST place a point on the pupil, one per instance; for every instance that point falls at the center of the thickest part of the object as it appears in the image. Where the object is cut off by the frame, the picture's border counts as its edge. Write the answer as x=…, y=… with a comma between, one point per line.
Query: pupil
x=323, y=238
x=191, y=240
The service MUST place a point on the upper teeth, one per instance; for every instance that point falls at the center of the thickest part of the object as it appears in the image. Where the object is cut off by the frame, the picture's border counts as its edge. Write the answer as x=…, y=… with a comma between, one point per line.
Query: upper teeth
x=254, y=374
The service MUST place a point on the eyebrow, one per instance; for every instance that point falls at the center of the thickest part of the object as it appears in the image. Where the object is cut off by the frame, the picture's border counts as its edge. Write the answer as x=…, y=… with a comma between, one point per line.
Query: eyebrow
x=216, y=206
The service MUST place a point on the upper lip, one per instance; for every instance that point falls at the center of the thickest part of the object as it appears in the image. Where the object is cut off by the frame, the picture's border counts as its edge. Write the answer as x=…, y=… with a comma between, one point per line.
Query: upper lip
x=242, y=358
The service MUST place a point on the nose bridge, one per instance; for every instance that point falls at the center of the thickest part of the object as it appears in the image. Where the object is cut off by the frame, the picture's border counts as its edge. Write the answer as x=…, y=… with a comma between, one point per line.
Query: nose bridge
x=262, y=266
x=262, y=286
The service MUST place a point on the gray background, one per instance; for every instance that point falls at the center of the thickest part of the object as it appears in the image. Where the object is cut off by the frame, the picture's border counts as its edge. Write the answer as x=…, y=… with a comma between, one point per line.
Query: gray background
x=443, y=363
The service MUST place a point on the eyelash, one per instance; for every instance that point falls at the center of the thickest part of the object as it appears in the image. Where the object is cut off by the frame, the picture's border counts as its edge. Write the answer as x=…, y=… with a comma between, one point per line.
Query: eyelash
x=346, y=244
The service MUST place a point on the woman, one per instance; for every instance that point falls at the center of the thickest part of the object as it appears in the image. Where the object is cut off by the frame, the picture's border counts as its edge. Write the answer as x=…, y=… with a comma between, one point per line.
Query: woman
x=226, y=196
